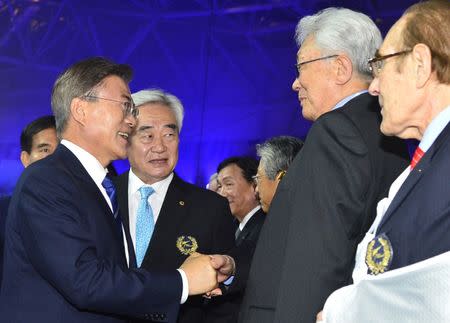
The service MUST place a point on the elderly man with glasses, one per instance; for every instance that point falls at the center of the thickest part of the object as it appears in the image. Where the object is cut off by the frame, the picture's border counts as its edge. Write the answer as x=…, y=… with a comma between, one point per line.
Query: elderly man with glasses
x=326, y=202
x=402, y=271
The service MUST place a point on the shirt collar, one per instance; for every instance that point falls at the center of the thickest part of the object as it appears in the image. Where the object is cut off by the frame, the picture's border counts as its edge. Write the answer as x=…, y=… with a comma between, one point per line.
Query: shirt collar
x=135, y=183
x=348, y=98
x=434, y=129
x=248, y=217
x=89, y=162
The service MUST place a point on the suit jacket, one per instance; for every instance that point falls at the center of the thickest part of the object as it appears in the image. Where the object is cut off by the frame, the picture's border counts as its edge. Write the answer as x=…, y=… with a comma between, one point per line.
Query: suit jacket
x=64, y=261
x=4, y=204
x=417, y=223
x=252, y=228
x=320, y=212
x=187, y=211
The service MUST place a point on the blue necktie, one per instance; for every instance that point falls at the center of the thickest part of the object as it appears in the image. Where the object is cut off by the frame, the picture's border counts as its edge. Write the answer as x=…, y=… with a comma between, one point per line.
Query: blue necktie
x=144, y=224
x=111, y=191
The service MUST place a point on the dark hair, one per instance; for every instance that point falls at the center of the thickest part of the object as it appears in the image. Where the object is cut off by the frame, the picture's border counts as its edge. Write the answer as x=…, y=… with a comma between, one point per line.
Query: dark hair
x=81, y=79
x=428, y=23
x=248, y=165
x=34, y=127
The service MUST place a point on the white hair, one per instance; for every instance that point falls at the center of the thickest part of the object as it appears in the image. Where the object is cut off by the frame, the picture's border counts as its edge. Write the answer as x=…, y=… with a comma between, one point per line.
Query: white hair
x=159, y=96
x=340, y=30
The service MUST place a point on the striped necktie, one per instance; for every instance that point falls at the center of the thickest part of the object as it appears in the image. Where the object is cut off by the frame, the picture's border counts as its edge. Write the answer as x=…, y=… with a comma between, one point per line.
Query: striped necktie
x=418, y=154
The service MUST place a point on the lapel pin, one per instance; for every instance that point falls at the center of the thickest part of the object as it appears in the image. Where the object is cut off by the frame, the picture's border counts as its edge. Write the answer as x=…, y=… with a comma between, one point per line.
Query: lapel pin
x=181, y=203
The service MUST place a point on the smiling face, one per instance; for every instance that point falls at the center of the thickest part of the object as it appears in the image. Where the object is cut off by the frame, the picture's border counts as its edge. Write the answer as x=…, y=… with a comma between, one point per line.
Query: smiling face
x=106, y=126
x=315, y=84
x=237, y=190
x=153, y=149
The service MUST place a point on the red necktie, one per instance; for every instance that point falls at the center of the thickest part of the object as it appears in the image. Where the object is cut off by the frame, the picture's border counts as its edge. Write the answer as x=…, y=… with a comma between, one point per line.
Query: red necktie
x=418, y=154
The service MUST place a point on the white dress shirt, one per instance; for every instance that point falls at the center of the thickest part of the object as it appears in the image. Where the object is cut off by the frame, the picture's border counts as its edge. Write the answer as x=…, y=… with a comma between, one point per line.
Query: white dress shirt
x=156, y=201
x=248, y=217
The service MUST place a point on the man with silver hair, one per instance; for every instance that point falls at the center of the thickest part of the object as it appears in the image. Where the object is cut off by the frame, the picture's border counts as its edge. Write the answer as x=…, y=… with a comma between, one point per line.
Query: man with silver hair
x=276, y=154
x=326, y=202
x=166, y=217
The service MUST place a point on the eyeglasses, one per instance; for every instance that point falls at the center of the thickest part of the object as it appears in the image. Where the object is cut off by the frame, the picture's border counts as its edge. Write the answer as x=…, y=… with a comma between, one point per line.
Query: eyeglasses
x=128, y=107
x=376, y=64
x=299, y=65
x=255, y=179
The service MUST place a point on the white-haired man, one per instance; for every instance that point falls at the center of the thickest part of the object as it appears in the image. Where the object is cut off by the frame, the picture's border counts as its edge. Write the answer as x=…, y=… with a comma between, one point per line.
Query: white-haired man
x=166, y=217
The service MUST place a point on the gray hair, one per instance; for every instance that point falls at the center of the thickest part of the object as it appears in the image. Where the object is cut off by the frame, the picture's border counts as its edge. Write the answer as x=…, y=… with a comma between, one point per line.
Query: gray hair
x=82, y=78
x=277, y=154
x=340, y=30
x=161, y=97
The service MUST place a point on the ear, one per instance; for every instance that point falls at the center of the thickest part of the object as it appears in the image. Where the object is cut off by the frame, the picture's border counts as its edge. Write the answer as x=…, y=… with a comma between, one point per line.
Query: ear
x=422, y=58
x=25, y=158
x=78, y=110
x=344, y=69
x=280, y=175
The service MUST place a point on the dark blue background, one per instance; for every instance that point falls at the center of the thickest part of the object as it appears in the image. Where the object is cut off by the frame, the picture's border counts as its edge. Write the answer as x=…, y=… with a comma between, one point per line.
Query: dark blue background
x=230, y=62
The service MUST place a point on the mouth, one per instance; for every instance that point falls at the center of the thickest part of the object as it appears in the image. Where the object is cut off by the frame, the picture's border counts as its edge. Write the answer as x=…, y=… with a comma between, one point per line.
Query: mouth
x=124, y=135
x=158, y=162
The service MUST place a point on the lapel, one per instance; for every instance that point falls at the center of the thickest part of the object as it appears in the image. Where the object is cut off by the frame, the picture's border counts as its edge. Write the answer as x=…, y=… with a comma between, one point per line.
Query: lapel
x=248, y=228
x=171, y=217
x=416, y=174
x=121, y=183
x=91, y=189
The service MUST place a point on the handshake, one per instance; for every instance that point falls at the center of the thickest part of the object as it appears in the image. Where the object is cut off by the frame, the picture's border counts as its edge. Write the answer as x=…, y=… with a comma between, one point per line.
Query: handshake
x=205, y=272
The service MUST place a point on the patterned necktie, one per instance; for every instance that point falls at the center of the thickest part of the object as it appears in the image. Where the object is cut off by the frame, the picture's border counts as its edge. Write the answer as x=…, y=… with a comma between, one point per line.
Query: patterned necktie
x=144, y=224
x=111, y=191
x=418, y=154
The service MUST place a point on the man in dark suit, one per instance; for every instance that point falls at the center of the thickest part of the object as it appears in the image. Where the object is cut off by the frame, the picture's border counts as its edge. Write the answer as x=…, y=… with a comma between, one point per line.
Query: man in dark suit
x=235, y=182
x=276, y=155
x=37, y=140
x=326, y=202
x=64, y=250
x=413, y=223
x=184, y=217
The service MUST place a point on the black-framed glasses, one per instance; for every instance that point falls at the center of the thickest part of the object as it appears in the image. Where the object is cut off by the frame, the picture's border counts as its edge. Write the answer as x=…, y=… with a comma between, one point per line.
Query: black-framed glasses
x=376, y=64
x=298, y=66
x=128, y=107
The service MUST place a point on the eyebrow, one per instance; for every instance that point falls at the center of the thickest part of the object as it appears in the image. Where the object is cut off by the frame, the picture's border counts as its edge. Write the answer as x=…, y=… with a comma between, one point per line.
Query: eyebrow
x=43, y=145
x=172, y=126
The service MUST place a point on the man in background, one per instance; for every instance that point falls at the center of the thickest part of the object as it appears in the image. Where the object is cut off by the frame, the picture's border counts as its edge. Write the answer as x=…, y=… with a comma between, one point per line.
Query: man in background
x=167, y=218
x=327, y=200
x=235, y=182
x=276, y=155
x=37, y=140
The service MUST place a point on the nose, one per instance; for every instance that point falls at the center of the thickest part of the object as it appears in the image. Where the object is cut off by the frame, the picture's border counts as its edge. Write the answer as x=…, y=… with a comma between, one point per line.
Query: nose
x=158, y=145
x=374, y=88
x=130, y=120
x=296, y=85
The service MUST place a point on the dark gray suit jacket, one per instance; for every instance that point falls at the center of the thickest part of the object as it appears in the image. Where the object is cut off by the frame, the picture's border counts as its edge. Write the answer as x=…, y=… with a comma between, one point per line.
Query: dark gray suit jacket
x=320, y=212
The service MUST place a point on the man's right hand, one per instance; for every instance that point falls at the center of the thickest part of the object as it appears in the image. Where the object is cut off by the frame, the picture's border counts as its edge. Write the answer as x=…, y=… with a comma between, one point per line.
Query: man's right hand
x=202, y=277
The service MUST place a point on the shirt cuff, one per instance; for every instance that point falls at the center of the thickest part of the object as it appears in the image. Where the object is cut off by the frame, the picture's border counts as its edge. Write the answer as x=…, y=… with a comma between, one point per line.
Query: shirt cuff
x=185, y=293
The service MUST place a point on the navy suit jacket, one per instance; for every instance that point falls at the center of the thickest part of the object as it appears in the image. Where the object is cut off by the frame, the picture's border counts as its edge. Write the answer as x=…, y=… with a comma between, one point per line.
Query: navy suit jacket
x=64, y=261
x=417, y=222
x=4, y=204
x=192, y=211
x=252, y=228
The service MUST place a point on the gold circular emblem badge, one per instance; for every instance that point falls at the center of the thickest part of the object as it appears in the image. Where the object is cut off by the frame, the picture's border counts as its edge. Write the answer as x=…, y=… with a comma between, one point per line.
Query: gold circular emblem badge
x=187, y=245
x=379, y=254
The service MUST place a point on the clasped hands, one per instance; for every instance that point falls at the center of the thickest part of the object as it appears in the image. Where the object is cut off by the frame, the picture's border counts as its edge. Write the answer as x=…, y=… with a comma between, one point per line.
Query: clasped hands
x=205, y=272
